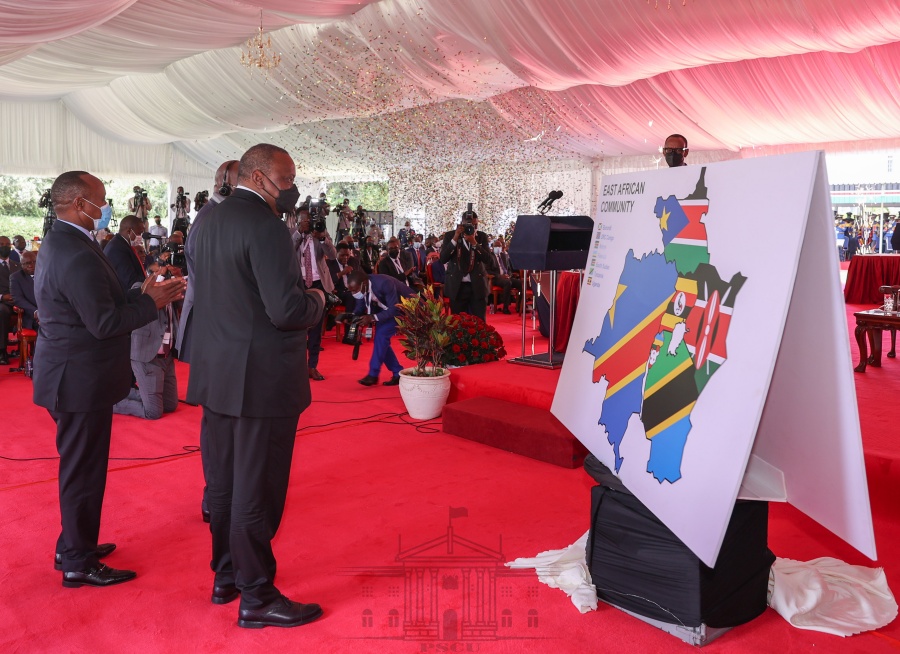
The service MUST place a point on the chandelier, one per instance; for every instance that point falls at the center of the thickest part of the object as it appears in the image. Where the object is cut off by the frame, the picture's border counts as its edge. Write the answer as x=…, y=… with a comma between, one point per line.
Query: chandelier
x=259, y=52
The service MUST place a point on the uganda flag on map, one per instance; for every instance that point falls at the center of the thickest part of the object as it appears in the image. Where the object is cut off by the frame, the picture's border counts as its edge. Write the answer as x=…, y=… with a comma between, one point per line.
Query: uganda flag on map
x=683, y=232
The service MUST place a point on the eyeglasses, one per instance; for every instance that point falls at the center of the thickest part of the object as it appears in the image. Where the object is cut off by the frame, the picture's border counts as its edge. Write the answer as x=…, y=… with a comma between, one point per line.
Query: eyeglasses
x=671, y=150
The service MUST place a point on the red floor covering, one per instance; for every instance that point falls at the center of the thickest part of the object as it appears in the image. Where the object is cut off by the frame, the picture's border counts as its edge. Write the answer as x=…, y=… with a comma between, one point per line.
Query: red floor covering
x=360, y=492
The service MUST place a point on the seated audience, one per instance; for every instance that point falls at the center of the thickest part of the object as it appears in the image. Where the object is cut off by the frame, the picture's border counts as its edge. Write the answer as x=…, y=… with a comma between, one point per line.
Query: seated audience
x=398, y=264
x=7, y=268
x=21, y=286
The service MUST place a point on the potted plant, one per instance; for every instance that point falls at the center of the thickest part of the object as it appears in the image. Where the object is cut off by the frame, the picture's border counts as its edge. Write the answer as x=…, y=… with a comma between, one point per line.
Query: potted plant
x=424, y=334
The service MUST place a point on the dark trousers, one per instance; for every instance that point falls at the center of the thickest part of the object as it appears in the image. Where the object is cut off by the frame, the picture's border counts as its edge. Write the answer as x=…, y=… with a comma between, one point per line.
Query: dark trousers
x=6, y=314
x=505, y=285
x=314, y=335
x=249, y=469
x=82, y=440
x=383, y=353
x=204, y=462
x=466, y=302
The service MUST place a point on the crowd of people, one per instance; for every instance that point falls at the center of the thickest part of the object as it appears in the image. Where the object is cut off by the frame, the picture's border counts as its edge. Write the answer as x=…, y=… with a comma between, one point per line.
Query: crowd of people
x=113, y=312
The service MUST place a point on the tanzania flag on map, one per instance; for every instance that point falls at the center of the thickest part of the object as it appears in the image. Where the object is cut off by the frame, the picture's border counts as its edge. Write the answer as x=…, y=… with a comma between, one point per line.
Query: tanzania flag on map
x=684, y=235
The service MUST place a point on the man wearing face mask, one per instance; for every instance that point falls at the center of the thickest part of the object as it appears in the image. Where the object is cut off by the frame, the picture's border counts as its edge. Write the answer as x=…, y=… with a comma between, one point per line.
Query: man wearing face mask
x=676, y=150
x=398, y=264
x=82, y=366
x=376, y=298
x=313, y=248
x=250, y=377
x=138, y=204
x=368, y=256
x=501, y=275
x=466, y=256
x=122, y=252
x=224, y=183
x=417, y=253
x=159, y=232
x=7, y=268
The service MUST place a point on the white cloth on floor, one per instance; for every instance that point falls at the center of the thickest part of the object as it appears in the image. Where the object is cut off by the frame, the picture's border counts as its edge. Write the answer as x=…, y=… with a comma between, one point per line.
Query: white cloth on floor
x=567, y=570
x=831, y=596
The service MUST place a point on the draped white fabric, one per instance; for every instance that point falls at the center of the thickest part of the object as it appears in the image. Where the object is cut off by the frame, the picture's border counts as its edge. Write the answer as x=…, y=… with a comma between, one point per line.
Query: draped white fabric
x=384, y=88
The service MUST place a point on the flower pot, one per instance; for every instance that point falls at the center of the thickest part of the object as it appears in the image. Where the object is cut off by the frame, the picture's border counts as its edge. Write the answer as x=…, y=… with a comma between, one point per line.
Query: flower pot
x=424, y=397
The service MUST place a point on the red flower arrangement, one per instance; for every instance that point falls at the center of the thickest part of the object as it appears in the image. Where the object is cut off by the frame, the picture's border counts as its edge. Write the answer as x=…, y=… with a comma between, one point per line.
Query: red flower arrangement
x=472, y=340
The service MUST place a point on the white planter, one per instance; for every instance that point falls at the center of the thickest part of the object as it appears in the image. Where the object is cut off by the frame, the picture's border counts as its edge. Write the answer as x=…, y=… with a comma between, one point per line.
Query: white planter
x=424, y=397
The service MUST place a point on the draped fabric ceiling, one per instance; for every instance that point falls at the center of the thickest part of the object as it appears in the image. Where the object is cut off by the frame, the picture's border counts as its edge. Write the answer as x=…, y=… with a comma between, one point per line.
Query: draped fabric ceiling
x=405, y=89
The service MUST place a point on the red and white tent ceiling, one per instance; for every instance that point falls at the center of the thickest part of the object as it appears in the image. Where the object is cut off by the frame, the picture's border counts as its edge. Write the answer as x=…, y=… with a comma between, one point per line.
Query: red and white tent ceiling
x=366, y=87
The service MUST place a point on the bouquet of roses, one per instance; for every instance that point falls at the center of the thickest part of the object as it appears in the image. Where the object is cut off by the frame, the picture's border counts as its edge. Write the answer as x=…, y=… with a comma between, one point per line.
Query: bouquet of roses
x=472, y=340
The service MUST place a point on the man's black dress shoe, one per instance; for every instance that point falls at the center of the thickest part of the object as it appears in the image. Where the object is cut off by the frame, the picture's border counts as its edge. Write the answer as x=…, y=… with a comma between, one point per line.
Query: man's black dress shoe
x=205, y=515
x=103, y=550
x=280, y=613
x=4, y=360
x=225, y=593
x=393, y=381
x=368, y=380
x=315, y=375
x=101, y=575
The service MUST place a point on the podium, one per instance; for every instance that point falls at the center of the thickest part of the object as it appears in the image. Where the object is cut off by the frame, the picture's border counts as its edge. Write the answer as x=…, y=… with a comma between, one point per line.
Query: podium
x=548, y=244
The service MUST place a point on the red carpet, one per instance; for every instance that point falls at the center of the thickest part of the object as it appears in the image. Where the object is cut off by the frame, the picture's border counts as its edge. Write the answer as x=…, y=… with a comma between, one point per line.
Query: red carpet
x=361, y=492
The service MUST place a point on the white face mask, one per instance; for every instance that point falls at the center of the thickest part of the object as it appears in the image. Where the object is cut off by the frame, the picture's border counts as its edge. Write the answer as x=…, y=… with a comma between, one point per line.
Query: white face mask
x=359, y=295
x=497, y=250
x=417, y=245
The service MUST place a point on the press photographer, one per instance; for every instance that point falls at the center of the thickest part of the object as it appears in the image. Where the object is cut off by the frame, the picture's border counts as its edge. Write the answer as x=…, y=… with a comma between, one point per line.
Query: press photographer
x=313, y=246
x=172, y=254
x=466, y=254
x=200, y=199
x=49, y=214
x=138, y=204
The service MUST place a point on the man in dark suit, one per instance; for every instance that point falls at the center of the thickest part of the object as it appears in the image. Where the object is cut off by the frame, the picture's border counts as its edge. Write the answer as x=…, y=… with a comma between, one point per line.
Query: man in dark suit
x=376, y=300
x=122, y=254
x=417, y=253
x=224, y=183
x=340, y=270
x=7, y=268
x=398, y=264
x=21, y=286
x=501, y=275
x=18, y=242
x=81, y=365
x=466, y=257
x=249, y=374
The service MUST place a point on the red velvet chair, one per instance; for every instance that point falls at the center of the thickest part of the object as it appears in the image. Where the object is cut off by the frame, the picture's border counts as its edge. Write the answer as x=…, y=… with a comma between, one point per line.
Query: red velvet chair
x=27, y=338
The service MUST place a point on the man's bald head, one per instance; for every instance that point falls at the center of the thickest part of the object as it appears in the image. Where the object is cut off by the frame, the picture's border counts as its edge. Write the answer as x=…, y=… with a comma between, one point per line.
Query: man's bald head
x=129, y=223
x=77, y=197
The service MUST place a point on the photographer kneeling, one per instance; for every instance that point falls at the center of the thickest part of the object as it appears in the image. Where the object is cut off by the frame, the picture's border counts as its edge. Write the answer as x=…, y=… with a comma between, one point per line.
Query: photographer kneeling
x=152, y=361
x=377, y=297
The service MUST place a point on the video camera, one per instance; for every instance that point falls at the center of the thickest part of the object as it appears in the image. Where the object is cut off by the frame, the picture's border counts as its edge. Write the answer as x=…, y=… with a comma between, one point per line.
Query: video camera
x=353, y=331
x=467, y=218
x=45, y=202
x=176, y=257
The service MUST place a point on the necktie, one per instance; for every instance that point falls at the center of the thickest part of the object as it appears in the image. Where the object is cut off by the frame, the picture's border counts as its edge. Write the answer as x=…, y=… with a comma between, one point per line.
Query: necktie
x=307, y=265
x=4, y=264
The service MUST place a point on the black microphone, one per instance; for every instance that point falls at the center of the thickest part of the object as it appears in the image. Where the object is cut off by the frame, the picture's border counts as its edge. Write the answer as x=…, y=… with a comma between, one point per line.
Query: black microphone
x=546, y=201
x=553, y=197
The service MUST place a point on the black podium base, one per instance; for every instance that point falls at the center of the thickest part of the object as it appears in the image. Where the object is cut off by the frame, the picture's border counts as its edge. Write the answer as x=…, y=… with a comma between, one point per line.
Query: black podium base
x=541, y=360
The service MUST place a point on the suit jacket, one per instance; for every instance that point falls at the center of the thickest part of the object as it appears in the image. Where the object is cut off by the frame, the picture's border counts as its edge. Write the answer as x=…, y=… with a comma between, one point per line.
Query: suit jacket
x=418, y=259
x=21, y=285
x=82, y=357
x=368, y=259
x=454, y=275
x=324, y=251
x=183, y=343
x=146, y=340
x=339, y=281
x=387, y=292
x=386, y=267
x=15, y=256
x=125, y=262
x=251, y=308
x=5, y=273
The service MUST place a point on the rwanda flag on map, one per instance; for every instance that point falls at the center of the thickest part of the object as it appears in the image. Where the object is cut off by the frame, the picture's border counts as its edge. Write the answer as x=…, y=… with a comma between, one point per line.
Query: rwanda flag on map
x=664, y=336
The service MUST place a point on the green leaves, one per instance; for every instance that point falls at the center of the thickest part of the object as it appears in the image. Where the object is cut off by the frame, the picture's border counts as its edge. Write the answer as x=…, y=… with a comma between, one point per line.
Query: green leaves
x=425, y=331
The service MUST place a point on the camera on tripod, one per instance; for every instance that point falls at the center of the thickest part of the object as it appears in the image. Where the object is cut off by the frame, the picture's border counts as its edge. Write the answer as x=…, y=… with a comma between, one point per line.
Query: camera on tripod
x=176, y=258
x=45, y=202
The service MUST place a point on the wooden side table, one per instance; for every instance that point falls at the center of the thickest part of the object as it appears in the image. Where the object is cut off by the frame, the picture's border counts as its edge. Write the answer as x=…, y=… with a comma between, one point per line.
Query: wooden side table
x=869, y=328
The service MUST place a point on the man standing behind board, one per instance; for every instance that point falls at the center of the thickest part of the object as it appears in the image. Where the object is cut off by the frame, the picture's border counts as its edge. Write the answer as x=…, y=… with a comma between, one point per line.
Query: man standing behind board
x=82, y=365
x=250, y=376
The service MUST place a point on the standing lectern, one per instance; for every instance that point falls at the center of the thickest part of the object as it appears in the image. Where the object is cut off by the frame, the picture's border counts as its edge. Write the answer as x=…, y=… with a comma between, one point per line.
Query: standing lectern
x=548, y=243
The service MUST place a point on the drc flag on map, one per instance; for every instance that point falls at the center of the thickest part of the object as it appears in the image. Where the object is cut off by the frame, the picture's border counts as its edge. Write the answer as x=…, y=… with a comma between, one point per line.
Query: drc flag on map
x=621, y=350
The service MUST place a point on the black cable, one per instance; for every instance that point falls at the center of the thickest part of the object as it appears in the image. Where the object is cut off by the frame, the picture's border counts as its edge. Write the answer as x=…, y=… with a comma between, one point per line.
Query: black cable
x=186, y=449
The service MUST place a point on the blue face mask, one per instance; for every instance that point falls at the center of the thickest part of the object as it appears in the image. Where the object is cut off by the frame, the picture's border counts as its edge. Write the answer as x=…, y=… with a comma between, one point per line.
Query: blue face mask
x=105, y=216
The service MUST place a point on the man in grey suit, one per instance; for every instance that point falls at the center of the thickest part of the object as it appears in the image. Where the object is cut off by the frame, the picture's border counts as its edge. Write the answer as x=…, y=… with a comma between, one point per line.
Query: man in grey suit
x=313, y=249
x=249, y=374
x=153, y=364
x=81, y=366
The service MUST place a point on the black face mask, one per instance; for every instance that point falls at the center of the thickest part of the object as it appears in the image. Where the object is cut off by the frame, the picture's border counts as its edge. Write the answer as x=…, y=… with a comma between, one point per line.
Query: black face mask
x=394, y=253
x=5, y=250
x=287, y=198
x=675, y=158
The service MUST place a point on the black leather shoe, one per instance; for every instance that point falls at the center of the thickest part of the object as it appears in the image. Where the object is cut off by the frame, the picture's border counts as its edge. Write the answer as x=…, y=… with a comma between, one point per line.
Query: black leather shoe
x=103, y=550
x=315, y=375
x=393, y=381
x=368, y=380
x=102, y=575
x=205, y=515
x=507, y=311
x=225, y=593
x=4, y=360
x=280, y=613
